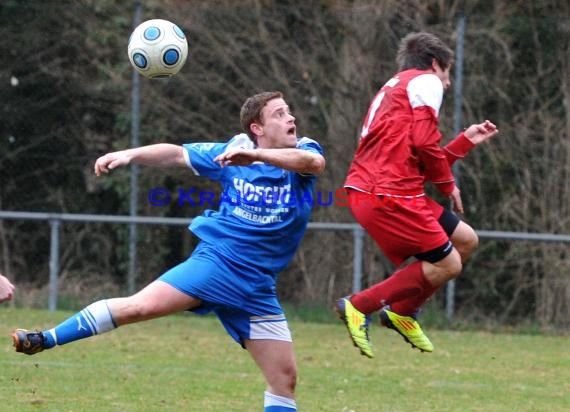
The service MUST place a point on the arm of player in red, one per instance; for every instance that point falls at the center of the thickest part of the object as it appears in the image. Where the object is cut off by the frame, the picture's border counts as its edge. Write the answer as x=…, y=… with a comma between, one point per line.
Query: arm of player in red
x=474, y=135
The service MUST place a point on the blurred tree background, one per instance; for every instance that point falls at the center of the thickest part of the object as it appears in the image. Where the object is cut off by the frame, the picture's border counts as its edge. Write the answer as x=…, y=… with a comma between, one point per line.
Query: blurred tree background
x=65, y=83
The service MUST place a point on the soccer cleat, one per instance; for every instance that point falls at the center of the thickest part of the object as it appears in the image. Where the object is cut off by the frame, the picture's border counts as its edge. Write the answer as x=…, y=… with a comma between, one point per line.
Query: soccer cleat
x=28, y=342
x=357, y=324
x=408, y=327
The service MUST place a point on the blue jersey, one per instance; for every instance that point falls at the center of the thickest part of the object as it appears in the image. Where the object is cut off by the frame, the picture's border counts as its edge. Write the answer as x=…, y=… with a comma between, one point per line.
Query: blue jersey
x=263, y=209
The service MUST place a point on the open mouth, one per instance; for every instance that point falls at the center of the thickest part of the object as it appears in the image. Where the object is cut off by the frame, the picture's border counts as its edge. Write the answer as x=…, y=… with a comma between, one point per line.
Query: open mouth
x=291, y=131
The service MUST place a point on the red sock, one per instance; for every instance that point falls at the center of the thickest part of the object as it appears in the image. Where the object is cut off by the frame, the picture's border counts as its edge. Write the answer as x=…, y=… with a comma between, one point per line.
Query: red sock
x=410, y=306
x=406, y=283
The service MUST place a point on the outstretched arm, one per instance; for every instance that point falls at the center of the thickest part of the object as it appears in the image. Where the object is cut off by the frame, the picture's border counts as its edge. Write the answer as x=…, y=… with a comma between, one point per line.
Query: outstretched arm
x=296, y=160
x=475, y=134
x=460, y=147
x=156, y=155
x=6, y=289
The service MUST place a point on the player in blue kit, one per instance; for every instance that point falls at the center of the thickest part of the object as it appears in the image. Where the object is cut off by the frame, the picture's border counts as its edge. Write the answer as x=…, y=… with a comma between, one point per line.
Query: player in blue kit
x=243, y=245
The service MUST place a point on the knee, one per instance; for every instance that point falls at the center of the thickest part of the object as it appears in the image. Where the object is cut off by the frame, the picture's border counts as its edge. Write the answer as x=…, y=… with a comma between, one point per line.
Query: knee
x=285, y=382
x=449, y=268
x=466, y=243
x=467, y=247
x=290, y=378
x=473, y=242
x=140, y=311
x=446, y=269
x=454, y=266
x=132, y=310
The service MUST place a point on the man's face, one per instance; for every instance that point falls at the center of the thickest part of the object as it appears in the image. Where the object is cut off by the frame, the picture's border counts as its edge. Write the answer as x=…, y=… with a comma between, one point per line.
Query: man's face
x=442, y=74
x=278, y=129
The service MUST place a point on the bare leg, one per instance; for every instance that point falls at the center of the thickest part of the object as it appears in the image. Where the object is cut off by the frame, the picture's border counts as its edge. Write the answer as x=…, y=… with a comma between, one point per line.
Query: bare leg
x=277, y=362
x=155, y=300
x=446, y=269
x=465, y=240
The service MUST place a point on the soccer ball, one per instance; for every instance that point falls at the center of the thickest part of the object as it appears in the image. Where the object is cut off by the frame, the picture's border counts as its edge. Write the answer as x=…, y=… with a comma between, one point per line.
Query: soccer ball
x=157, y=48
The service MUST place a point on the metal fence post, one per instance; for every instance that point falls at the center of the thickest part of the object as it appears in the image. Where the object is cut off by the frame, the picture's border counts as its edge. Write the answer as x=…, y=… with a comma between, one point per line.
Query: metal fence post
x=358, y=234
x=133, y=200
x=458, y=88
x=53, y=263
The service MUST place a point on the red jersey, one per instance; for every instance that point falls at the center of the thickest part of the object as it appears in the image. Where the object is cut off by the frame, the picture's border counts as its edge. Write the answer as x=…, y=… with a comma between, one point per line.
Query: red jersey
x=399, y=145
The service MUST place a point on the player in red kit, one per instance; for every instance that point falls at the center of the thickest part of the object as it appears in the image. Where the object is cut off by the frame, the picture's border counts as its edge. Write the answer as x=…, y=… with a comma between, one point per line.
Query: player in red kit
x=399, y=150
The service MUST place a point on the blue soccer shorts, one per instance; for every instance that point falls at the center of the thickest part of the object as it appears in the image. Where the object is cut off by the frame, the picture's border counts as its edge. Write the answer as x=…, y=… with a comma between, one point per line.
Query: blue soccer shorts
x=243, y=298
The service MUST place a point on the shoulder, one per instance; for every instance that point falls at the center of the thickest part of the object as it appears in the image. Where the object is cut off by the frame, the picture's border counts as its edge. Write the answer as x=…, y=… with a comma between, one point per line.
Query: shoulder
x=425, y=89
x=422, y=79
x=302, y=141
x=240, y=141
x=306, y=143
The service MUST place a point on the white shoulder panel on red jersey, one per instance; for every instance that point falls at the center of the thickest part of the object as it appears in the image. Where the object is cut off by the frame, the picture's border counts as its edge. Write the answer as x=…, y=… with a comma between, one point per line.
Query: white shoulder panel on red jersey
x=425, y=90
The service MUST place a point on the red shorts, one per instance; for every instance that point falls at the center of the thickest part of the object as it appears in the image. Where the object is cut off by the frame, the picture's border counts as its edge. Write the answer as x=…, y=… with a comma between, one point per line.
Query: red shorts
x=435, y=207
x=401, y=227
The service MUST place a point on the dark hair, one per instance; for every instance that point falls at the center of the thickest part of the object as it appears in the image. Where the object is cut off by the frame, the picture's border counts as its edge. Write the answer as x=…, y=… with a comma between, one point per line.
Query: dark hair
x=417, y=51
x=251, y=110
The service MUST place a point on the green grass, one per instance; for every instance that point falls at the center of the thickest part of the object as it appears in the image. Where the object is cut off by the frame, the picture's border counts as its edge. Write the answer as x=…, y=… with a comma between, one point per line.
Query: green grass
x=188, y=363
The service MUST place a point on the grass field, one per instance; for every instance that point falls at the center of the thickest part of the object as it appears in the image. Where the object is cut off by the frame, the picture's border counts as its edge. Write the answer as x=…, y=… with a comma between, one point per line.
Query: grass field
x=188, y=363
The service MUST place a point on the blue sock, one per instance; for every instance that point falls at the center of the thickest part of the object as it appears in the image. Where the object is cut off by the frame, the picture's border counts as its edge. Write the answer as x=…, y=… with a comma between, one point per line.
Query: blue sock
x=275, y=403
x=93, y=320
